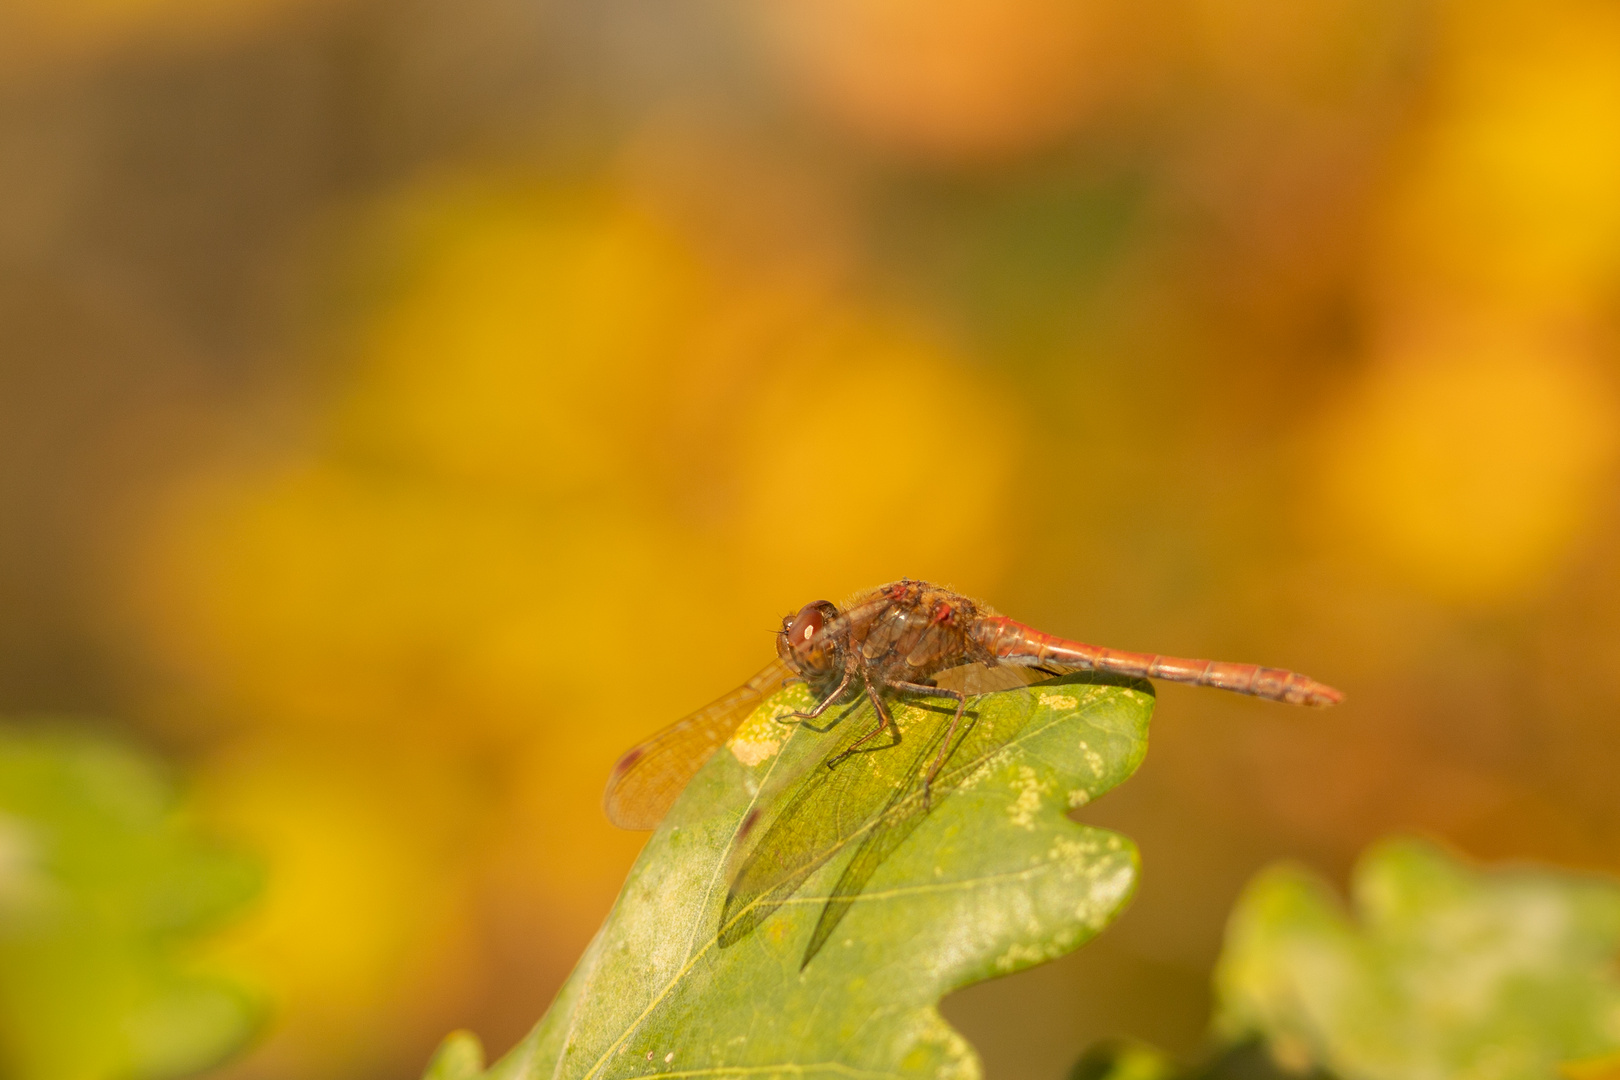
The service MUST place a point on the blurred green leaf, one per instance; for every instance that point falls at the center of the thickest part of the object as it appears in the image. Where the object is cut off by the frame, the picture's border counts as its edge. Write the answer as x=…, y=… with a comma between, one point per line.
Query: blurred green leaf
x=459, y=1057
x=991, y=878
x=1123, y=1059
x=1250, y=1061
x=104, y=885
x=1445, y=971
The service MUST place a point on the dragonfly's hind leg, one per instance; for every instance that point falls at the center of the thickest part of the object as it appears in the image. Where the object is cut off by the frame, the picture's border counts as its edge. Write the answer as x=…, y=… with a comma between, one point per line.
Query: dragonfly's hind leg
x=884, y=721
x=950, y=732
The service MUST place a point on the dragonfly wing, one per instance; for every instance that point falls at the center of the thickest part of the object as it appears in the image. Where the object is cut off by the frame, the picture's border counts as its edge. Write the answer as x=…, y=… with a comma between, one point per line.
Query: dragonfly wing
x=647, y=780
x=997, y=710
x=833, y=810
x=975, y=679
x=789, y=836
x=869, y=812
x=899, y=818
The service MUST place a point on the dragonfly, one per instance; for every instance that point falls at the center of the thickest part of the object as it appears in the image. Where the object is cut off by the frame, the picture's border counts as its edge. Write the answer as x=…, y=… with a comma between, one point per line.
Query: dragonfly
x=905, y=643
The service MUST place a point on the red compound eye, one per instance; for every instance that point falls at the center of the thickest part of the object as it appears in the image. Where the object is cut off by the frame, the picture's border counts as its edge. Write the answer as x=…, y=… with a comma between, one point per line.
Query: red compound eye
x=806, y=624
x=808, y=644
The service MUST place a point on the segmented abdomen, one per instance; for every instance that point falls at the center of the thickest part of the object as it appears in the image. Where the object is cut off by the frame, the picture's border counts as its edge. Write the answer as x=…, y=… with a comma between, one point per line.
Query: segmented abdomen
x=1014, y=643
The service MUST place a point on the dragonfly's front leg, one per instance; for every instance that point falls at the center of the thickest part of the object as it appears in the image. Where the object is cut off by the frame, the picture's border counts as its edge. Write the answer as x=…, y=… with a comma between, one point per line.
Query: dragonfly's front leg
x=950, y=732
x=798, y=717
x=884, y=721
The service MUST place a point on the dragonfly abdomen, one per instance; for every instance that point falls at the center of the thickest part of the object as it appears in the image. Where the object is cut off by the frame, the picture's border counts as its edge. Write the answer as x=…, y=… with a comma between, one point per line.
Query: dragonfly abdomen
x=1012, y=642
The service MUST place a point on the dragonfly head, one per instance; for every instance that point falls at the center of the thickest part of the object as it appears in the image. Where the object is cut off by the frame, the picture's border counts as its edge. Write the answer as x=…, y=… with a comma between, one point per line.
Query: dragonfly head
x=804, y=646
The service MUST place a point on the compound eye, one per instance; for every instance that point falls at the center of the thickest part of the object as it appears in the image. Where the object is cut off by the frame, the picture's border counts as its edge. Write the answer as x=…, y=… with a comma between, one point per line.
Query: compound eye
x=809, y=622
x=806, y=625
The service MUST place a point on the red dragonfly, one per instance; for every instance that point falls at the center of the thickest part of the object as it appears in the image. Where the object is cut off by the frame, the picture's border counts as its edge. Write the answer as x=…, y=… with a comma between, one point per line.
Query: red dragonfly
x=897, y=639
x=906, y=640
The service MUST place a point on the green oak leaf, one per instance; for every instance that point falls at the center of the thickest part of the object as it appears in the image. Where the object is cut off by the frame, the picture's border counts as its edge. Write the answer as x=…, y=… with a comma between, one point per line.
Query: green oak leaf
x=1444, y=972
x=459, y=1057
x=1117, y=1059
x=1124, y=1059
x=986, y=877
x=105, y=889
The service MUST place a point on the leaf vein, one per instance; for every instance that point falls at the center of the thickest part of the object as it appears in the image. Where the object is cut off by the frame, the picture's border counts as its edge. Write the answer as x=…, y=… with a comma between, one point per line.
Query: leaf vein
x=942, y=886
x=836, y=1067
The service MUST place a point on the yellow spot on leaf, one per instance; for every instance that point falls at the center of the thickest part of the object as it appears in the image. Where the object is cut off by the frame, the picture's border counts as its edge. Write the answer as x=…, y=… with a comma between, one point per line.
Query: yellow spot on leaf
x=752, y=753
x=1022, y=809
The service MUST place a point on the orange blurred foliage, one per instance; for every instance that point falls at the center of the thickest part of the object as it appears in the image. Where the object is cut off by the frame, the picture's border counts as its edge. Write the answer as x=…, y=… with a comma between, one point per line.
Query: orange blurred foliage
x=1472, y=460
x=969, y=79
x=570, y=451
x=39, y=35
x=408, y=407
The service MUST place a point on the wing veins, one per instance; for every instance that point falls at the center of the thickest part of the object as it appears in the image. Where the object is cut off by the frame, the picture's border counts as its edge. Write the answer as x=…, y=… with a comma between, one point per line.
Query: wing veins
x=648, y=779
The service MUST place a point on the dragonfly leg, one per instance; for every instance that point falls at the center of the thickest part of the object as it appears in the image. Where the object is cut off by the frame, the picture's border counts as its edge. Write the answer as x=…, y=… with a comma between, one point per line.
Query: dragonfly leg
x=884, y=721
x=798, y=717
x=950, y=732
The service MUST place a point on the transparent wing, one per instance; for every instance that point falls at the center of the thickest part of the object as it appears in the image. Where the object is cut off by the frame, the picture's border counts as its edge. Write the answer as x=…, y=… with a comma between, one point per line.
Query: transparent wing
x=855, y=717
x=795, y=831
x=870, y=803
x=647, y=779
x=998, y=708
x=975, y=679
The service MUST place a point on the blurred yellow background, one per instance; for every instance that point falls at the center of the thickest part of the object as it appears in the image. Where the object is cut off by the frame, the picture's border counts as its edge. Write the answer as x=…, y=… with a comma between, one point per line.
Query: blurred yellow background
x=405, y=407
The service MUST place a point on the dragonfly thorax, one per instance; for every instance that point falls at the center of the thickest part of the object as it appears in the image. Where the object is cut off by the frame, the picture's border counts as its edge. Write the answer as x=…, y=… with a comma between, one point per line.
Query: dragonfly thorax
x=910, y=631
x=905, y=632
